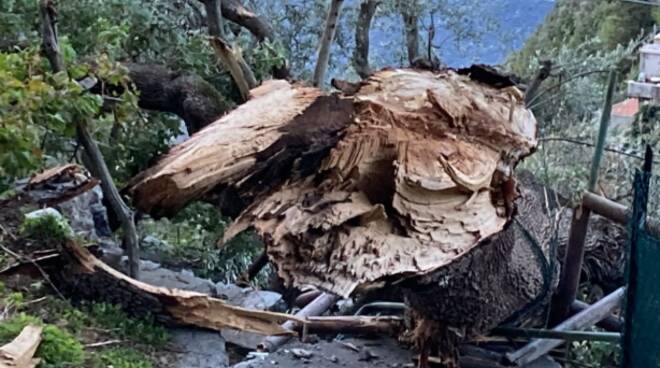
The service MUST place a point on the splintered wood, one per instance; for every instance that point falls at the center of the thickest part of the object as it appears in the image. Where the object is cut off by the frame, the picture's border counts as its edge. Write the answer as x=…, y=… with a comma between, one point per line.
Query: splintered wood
x=20, y=352
x=400, y=179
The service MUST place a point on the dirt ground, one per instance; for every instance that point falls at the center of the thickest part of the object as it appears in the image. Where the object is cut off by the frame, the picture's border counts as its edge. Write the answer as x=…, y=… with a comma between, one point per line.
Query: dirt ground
x=349, y=352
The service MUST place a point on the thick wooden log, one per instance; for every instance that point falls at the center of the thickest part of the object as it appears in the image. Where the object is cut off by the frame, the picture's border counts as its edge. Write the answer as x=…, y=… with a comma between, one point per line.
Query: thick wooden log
x=387, y=325
x=86, y=277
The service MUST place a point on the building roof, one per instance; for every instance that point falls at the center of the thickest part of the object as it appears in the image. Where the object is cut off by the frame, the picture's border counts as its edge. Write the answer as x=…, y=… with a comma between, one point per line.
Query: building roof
x=628, y=107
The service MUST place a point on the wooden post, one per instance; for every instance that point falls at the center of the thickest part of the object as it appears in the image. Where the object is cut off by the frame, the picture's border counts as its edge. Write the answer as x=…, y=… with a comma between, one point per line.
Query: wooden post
x=570, y=276
x=587, y=318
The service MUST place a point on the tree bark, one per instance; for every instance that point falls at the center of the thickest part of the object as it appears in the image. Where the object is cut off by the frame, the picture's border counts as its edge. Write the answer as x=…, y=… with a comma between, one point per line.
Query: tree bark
x=361, y=53
x=326, y=42
x=189, y=96
x=97, y=163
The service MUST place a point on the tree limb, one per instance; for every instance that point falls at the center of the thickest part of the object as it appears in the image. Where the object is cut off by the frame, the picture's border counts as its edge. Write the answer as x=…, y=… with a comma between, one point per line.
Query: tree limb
x=238, y=68
x=189, y=96
x=234, y=11
x=97, y=164
x=361, y=53
x=326, y=42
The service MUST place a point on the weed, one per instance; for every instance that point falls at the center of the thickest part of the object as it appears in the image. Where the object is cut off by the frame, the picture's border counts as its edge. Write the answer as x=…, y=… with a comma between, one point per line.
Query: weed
x=121, y=357
x=140, y=330
x=46, y=228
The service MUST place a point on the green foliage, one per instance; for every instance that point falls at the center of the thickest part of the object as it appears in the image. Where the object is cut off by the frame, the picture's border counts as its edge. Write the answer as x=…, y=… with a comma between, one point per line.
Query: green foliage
x=142, y=331
x=191, y=241
x=121, y=357
x=596, y=354
x=46, y=228
x=573, y=23
x=57, y=349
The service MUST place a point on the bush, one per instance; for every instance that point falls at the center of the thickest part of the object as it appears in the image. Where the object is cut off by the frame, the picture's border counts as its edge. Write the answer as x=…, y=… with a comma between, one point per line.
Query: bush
x=47, y=228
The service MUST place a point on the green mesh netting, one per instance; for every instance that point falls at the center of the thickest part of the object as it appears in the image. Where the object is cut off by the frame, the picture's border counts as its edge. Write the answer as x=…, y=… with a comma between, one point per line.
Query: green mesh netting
x=642, y=323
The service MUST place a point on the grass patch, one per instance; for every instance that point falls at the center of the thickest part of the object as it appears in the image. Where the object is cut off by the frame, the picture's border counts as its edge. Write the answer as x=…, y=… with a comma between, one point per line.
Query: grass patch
x=121, y=357
x=143, y=331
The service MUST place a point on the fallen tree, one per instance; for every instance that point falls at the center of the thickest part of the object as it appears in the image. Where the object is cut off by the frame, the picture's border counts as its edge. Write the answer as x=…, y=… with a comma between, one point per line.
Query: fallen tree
x=407, y=179
x=84, y=277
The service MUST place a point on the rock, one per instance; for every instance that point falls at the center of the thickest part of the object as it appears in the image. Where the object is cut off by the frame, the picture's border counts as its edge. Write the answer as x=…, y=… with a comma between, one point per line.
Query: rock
x=87, y=215
x=334, y=354
x=203, y=349
x=301, y=353
x=152, y=273
x=246, y=298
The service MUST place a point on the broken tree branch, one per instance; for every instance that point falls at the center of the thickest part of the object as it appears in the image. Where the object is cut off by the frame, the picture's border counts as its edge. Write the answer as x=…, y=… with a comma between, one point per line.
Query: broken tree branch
x=86, y=277
x=230, y=58
x=225, y=53
x=326, y=42
x=361, y=52
x=97, y=164
x=388, y=325
x=260, y=28
x=19, y=353
x=541, y=75
x=317, y=307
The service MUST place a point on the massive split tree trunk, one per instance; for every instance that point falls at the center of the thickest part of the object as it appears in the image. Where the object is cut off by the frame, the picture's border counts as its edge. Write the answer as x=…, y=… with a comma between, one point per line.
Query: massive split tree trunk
x=408, y=178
